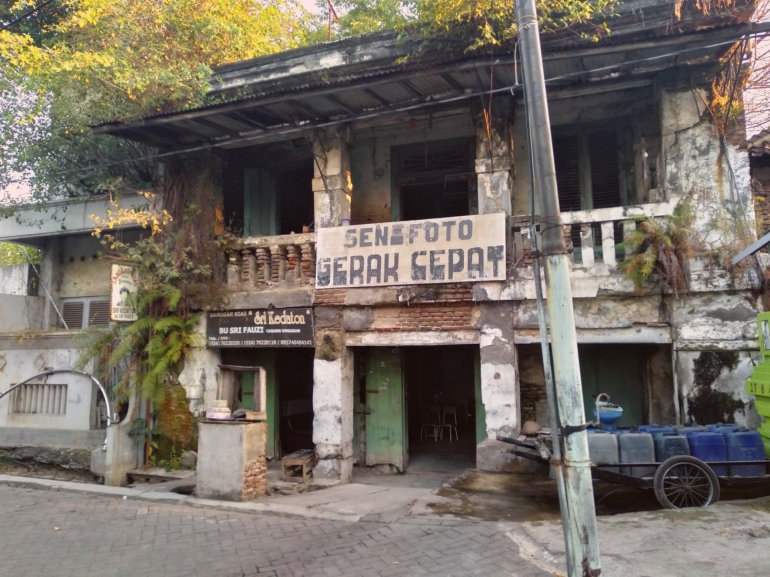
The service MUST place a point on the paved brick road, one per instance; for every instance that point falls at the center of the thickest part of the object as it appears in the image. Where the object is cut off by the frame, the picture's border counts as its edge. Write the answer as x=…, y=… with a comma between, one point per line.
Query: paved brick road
x=105, y=537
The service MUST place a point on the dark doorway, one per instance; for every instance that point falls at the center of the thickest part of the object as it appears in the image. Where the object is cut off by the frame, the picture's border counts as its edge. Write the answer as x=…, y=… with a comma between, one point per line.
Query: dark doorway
x=441, y=378
x=294, y=369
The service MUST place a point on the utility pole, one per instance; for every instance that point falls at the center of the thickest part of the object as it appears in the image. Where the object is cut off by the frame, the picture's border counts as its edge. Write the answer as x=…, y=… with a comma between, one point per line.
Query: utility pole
x=580, y=531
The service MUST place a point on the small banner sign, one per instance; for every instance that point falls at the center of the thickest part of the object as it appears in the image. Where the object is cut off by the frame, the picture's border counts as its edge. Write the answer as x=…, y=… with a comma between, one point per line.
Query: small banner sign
x=261, y=328
x=124, y=280
x=440, y=250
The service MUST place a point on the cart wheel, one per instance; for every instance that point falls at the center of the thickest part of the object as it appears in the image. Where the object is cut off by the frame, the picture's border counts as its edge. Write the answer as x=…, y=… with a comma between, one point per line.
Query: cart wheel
x=685, y=481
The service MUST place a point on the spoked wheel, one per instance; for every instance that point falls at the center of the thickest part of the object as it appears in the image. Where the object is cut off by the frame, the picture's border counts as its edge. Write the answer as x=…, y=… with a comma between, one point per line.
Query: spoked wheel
x=685, y=481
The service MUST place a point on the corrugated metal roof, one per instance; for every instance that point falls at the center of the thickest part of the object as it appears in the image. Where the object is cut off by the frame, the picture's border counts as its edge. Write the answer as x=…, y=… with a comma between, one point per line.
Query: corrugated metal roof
x=284, y=99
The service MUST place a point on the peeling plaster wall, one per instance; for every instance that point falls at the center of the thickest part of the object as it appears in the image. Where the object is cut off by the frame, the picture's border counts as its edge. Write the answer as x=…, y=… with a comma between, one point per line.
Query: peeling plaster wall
x=695, y=166
x=333, y=409
x=499, y=378
x=716, y=321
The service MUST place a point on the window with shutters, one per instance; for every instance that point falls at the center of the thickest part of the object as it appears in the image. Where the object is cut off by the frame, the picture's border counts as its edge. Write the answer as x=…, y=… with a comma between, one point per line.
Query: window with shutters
x=434, y=179
x=278, y=200
x=39, y=399
x=593, y=168
x=79, y=313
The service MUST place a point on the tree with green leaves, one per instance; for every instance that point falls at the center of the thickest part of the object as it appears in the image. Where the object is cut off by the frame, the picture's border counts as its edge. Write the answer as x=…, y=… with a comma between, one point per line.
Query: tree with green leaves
x=477, y=23
x=95, y=60
x=12, y=253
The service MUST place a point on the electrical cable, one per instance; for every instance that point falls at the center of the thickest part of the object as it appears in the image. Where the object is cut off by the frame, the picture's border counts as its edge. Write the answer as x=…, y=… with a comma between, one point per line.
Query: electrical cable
x=391, y=111
x=26, y=15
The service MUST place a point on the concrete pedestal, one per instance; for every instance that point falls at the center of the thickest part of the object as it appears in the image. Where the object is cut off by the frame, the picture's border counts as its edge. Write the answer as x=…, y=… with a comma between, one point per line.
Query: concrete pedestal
x=231, y=460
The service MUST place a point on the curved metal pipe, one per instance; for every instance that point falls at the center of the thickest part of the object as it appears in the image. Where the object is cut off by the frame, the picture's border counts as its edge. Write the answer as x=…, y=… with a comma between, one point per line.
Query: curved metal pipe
x=82, y=373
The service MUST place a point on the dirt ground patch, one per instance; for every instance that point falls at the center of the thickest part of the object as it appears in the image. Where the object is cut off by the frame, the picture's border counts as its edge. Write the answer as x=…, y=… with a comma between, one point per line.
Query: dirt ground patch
x=525, y=498
x=11, y=466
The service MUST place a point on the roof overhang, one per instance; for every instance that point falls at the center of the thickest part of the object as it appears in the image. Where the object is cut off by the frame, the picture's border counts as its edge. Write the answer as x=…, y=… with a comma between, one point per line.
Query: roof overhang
x=365, y=79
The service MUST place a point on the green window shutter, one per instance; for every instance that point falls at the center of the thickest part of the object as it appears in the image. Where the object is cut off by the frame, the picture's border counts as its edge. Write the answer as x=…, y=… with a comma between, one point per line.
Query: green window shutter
x=247, y=390
x=260, y=203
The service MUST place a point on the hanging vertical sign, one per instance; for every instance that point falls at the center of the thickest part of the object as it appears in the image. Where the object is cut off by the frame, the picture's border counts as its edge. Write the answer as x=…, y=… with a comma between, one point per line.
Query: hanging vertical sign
x=124, y=282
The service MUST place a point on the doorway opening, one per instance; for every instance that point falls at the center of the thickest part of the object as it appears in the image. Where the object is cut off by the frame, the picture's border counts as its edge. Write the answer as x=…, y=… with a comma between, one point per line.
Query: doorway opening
x=421, y=408
x=289, y=398
x=441, y=379
x=638, y=377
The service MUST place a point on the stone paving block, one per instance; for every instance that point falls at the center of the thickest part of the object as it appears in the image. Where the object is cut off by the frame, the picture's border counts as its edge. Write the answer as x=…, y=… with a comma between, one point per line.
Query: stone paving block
x=108, y=536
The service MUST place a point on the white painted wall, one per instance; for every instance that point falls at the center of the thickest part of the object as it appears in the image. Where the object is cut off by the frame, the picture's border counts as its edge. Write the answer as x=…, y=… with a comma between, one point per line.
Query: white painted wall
x=19, y=313
x=20, y=364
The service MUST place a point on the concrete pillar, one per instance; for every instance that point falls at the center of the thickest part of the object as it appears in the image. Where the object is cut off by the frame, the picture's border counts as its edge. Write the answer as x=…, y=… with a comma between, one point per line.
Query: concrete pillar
x=200, y=374
x=333, y=408
x=121, y=453
x=332, y=184
x=49, y=267
x=494, y=158
x=499, y=386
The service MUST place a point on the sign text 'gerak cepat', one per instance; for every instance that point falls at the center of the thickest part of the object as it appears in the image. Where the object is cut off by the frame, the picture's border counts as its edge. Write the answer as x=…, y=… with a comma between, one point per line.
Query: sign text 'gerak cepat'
x=441, y=250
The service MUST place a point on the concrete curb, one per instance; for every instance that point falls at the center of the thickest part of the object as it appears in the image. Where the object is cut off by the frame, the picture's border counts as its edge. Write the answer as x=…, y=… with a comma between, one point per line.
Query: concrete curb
x=160, y=496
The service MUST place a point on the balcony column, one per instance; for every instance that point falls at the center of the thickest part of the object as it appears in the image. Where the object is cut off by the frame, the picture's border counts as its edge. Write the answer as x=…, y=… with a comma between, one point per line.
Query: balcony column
x=233, y=268
x=494, y=157
x=332, y=184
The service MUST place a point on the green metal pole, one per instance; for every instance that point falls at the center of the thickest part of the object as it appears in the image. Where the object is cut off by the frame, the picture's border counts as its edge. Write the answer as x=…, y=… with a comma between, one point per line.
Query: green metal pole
x=582, y=541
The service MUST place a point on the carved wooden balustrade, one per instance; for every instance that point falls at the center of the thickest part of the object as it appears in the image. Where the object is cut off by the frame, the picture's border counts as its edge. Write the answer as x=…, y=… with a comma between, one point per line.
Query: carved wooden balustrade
x=271, y=261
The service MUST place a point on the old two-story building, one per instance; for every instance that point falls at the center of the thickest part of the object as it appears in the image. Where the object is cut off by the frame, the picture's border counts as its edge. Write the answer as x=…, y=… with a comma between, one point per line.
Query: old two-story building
x=380, y=266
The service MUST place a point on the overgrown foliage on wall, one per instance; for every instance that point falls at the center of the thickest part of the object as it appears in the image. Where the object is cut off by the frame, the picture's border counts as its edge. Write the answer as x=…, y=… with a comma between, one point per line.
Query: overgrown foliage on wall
x=179, y=270
x=661, y=246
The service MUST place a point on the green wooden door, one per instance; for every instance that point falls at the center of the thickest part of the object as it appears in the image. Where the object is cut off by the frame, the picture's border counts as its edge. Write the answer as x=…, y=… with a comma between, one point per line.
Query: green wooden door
x=386, y=440
x=481, y=413
x=260, y=204
x=617, y=370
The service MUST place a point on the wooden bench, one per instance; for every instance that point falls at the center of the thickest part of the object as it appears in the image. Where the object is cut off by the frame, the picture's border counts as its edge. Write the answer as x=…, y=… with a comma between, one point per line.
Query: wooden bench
x=296, y=466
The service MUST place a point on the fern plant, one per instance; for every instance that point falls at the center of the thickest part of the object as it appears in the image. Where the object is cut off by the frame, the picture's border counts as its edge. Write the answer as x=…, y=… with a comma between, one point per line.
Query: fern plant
x=662, y=247
x=154, y=346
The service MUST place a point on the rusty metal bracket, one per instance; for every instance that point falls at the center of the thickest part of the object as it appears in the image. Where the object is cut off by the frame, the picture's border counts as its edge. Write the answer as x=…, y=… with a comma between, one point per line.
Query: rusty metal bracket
x=567, y=430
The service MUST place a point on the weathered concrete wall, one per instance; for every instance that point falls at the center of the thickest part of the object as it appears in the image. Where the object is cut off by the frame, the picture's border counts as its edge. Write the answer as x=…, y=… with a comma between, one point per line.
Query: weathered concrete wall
x=18, y=313
x=696, y=166
x=231, y=461
x=494, y=159
x=82, y=272
x=13, y=279
x=21, y=360
x=200, y=374
x=712, y=386
x=499, y=378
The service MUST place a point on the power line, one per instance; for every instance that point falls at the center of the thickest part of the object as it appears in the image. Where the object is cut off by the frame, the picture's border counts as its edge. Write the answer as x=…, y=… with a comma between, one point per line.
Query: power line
x=27, y=14
x=379, y=113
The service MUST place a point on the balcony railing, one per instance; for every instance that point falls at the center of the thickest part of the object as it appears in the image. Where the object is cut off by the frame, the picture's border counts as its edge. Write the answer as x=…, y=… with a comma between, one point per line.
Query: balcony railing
x=595, y=235
x=271, y=261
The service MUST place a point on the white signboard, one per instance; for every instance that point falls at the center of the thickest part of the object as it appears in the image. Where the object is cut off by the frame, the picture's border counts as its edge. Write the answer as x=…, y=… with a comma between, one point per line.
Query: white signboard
x=124, y=280
x=441, y=250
